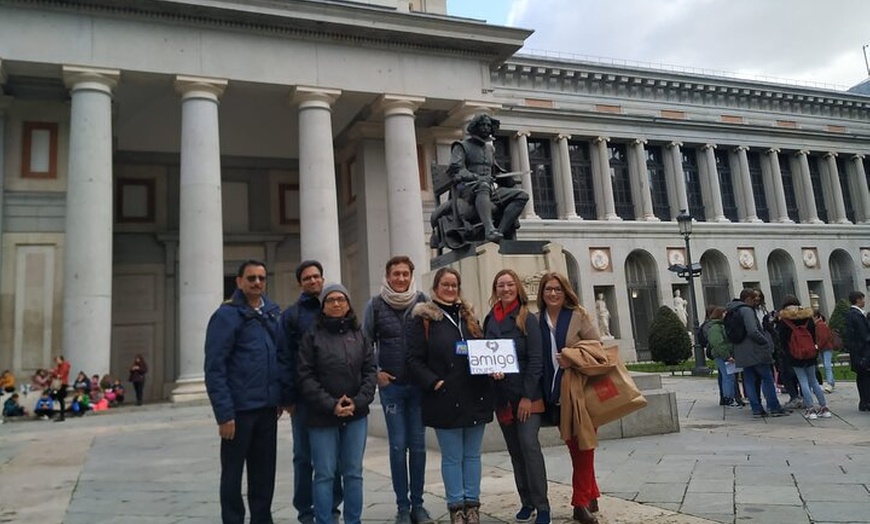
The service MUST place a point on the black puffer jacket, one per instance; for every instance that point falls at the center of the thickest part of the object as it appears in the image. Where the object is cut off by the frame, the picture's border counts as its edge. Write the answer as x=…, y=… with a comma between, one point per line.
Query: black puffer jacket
x=335, y=360
x=464, y=400
x=526, y=383
x=385, y=327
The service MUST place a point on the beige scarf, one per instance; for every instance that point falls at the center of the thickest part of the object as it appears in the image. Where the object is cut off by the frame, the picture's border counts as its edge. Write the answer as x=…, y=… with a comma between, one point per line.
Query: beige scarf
x=399, y=301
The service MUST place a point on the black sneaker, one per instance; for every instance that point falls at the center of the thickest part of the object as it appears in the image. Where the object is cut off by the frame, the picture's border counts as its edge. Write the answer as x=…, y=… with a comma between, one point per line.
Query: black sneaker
x=779, y=412
x=759, y=414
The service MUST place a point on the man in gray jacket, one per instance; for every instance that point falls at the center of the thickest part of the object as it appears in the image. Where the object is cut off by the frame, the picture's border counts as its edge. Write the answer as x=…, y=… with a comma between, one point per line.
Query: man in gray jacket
x=755, y=355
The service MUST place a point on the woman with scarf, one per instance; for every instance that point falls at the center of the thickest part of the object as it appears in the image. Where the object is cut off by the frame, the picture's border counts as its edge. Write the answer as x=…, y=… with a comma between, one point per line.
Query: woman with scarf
x=455, y=402
x=563, y=323
x=518, y=401
x=336, y=373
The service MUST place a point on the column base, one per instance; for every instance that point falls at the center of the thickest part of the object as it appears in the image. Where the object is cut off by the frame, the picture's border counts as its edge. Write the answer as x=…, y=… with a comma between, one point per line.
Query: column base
x=189, y=390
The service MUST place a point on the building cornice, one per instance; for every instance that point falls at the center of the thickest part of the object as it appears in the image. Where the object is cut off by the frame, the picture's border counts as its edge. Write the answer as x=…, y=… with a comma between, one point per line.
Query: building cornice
x=543, y=76
x=345, y=22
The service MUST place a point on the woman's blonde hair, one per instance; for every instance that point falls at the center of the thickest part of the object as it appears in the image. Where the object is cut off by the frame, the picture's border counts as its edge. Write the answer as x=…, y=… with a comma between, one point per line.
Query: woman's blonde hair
x=522, y=297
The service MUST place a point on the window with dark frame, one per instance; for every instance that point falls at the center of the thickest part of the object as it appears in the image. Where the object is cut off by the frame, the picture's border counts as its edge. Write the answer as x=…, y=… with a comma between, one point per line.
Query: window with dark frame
x=843, y=175
x=757, y=179
x=788, y=187
x=818, y=191
x=621, y=180
x=581, y=179
x=655, y=169
x=693, y=184
x=726, y=185
x=39, y=150
x=135, y=200
x=288, y=204
x=541, y=162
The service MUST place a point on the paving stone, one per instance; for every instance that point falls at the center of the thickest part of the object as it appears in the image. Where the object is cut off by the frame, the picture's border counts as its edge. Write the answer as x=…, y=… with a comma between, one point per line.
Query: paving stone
x=768, y=495
x=769, y=514
x=661, y=493
x=858, y=511
x=724, y=485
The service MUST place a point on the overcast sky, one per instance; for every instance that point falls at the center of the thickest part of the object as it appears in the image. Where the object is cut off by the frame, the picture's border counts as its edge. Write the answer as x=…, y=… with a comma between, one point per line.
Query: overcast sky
x=810, y=40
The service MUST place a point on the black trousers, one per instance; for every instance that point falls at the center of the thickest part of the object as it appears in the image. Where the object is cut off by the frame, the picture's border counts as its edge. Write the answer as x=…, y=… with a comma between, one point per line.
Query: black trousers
x=862, y=380
x=254, y=447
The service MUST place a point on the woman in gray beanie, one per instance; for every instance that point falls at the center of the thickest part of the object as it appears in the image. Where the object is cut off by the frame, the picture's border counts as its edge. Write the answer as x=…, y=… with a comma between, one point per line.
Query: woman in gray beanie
x=337, y=377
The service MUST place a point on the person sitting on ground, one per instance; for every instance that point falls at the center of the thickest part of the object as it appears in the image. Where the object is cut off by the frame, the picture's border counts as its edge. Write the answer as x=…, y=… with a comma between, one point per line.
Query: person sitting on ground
x=11, y=408
x=82, y=382
x=106, y=382
x=40, y=380
x=7, y=381
x=96, y=391
x=44, y=405
x=119, y=392
x=81, y=402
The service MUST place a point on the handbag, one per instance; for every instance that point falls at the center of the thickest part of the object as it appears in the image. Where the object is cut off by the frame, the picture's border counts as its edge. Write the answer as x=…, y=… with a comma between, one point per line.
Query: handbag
x=613, y=395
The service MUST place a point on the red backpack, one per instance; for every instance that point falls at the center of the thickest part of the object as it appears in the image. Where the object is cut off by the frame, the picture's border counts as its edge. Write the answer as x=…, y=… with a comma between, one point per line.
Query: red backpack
x=801, y=345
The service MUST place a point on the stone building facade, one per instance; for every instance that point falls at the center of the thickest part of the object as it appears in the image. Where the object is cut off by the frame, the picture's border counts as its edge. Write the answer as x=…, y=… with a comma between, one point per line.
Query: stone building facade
x=147, y=148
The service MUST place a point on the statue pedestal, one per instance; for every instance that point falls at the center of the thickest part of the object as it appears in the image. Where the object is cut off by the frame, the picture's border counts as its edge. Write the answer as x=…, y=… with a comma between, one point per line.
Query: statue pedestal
x=478, y=264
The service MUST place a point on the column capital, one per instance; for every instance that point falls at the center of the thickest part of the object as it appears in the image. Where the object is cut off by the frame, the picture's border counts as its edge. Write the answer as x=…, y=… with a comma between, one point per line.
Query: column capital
x=802, y=152
x=464, y=111
x=857, y=157
x=199, y=87
x=307, y=97
x=708, y=146
x=90, y=78
x=523, y=133
x=639, y=142
x=830, y=154
x=674, y=144
x=391, y=104
x=599, y=139
x=741, y=148
x=774, y=151
x=563, y=136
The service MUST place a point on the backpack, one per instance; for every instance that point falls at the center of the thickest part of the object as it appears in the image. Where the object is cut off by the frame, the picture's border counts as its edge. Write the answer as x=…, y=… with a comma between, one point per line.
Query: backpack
x=801, y=345
x=735, y=329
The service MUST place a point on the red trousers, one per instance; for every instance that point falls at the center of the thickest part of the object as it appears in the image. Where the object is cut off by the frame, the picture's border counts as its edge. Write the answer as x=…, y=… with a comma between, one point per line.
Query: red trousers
x=583, y=479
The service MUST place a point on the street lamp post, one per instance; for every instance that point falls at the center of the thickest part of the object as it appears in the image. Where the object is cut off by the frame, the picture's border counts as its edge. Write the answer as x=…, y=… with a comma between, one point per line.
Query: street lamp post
x=684, y=221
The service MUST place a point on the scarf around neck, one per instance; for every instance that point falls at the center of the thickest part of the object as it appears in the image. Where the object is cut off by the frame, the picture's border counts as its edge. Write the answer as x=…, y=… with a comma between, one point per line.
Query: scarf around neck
x=398, y=300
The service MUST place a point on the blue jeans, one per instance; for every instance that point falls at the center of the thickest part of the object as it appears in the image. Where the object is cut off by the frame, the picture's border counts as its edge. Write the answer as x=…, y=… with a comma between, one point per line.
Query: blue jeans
x=338, y=452
x=829, y=370
x=727, y=380
x=407, y=436
x=460, y=463
x=807, y=378
x=303, y=472
x=760, y=373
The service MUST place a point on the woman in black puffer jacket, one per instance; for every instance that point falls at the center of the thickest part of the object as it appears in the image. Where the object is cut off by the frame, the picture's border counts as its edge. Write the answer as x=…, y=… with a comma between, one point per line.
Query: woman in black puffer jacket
x=337, y=376
x=455, y=402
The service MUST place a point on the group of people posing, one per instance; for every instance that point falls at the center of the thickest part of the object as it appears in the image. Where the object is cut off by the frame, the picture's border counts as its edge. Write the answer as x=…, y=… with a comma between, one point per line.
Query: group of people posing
x=321, y=364
x=93, y=393
x=780, y=349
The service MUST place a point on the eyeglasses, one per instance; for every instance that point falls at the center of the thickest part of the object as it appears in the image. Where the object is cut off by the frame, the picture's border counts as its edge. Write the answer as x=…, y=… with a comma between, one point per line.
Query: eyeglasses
x=254, y=278
x=311, y=277
x=448, y=286
x=553, y=290
x=341, y=299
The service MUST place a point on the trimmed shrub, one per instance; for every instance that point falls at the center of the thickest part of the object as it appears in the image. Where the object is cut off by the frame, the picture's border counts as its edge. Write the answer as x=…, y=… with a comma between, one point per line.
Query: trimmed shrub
x=669, y=342
x=837, y=320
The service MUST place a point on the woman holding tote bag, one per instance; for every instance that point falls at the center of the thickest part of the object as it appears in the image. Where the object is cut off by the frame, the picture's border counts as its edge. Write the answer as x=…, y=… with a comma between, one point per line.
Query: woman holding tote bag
x=564, y=322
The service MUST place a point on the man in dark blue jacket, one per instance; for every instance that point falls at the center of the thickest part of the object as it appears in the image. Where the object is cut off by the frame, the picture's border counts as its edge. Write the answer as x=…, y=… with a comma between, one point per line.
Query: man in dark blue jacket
x=857, y=341
x=248, y=379
x=297, y=320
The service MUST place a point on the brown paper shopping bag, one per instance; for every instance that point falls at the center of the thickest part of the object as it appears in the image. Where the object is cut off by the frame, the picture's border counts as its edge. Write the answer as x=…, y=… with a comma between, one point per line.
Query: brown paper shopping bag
x=614, y=395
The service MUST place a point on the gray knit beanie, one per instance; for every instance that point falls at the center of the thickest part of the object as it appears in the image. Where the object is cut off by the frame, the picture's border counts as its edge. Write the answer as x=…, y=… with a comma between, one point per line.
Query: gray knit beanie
x=329, y=288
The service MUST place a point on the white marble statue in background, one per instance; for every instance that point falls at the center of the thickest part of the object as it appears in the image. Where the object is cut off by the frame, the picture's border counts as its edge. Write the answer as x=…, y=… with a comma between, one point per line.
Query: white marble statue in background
x=603, y=316
x=680, y=308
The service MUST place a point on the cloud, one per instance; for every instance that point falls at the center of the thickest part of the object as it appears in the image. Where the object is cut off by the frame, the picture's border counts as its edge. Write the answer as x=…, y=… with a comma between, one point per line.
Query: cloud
x=798, y=39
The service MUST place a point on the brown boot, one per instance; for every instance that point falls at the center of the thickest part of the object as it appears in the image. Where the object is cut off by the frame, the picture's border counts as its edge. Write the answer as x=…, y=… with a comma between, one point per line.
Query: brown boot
x=472, y=512
x=584, y=516
x=457, y=515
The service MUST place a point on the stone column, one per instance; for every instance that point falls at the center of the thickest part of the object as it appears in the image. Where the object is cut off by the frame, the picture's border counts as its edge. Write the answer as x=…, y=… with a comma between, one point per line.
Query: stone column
x=750, y=213
x=87, y=264
x=678, y=176
x=641, y=181
x=604, y=180
x=404, y=199
x=809, y=213
x=526, y=179
x=566, y=184
x=836, y=190
x=778, y=189
x=859, y=182
x=318, y=200
x=713, y=186
x=200, y=228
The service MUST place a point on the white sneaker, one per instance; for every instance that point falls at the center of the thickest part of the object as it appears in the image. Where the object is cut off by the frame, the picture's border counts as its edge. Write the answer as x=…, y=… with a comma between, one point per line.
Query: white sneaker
x=827, y=387
x=824, y=412
x=811, y=414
